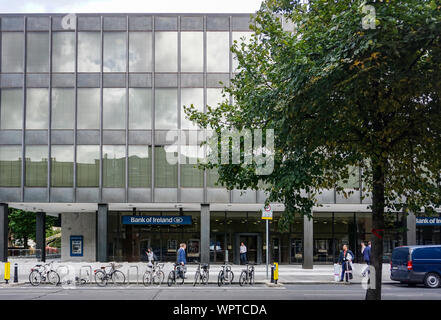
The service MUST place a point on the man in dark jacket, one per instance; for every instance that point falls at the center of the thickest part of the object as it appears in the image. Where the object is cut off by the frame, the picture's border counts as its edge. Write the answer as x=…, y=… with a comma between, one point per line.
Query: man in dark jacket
x=345, y=259
x=182, y=259
x=367, y=257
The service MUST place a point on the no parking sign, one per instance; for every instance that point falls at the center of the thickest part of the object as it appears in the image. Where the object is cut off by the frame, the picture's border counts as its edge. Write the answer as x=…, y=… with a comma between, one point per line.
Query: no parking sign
x=267, y=212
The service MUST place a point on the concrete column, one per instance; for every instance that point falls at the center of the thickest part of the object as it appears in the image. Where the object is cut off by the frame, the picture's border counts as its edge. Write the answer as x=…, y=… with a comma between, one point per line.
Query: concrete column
x=205, y=233
x=411, y=229
x=3, y=232
x=307, y=243
x=40, y=233
x=101, y=244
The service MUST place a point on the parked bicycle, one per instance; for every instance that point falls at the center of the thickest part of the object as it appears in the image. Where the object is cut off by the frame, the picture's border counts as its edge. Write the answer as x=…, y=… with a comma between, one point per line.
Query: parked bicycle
x=102, y=276
x=177, y=275
x=247, y=276
x=154, y=274
x=202, y=274
x=44, y=273
x=225, y=276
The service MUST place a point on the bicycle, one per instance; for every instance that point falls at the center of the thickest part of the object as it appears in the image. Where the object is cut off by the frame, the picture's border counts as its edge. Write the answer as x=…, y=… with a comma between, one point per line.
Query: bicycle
x=102, y=276
x=177, y=275
x=202, y=274
x=247, y=276
x=225, y=276
x=43, y=273
x=153, y=274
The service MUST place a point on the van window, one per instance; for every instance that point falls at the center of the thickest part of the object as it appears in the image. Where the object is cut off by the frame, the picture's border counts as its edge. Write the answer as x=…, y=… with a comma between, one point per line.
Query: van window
x=400, y=254
x=427, y=253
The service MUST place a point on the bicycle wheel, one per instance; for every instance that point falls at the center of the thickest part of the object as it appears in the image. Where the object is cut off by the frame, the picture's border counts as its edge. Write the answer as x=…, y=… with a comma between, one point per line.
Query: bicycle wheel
x=35, y=278
x=171, y=278
x=252, y=278
x=118, y=278
x=147, y=278
x=243, y=278
x=53, y=277
x=100, y=278
x=158, y=278
x=197, y=277
x=229, y=276
x=181, y=278
x=204, y=278
x=220, y=278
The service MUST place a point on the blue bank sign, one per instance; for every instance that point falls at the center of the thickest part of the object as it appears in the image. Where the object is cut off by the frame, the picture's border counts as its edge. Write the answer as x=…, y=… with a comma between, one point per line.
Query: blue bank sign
x=156, y=220
x=428, y=221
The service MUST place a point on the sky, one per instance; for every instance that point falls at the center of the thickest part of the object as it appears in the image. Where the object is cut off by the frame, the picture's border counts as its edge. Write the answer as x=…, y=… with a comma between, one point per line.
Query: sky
x=129, y=6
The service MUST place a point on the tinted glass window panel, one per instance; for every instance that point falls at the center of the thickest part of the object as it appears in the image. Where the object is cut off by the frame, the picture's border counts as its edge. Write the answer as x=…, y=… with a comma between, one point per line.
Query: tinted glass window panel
x=214, y=97
x=166, y=52
x=62, y=166
x=140, y=51
x=36, y=166
x=37, y=108
x=88, y=106
x=191, y=176
x=89, y=51
x=37, y=52
x=140, y=108
x=88, y=166
x=11, y=109
x=10, y=166
x=192, y=51
x=166, y=174
x=114, y=166
x=218, y=52
x=140, y=167
x=63, y=52
x=114, y=108
x=191, y=96
x=12, y=51
x=166, y=109
x=240, y=37
x=63, y=108
x=114, y=56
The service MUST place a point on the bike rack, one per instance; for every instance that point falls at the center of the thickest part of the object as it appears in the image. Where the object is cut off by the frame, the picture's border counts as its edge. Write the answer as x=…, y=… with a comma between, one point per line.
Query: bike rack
x=137, y=274
x=89, y=267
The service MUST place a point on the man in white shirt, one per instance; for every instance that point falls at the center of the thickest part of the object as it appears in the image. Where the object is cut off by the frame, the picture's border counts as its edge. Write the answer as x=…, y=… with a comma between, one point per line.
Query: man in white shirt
x=243, y=253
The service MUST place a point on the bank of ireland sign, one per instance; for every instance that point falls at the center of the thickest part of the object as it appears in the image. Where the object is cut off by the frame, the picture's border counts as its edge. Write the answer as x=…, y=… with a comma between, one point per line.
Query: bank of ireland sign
x=157, y=220
x=428, y=221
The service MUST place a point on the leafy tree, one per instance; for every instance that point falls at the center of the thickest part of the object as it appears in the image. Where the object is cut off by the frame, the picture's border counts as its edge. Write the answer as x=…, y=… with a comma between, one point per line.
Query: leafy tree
x=343, y=88
x=22, y=226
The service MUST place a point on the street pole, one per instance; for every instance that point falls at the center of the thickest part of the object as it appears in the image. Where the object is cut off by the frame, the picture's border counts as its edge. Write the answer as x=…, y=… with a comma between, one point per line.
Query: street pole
x=267, y=249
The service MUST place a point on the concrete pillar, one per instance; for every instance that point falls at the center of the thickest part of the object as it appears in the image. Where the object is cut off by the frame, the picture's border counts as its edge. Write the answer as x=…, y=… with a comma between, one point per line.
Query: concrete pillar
x=3, y=232
x=101, y=244
x=307, y=243
x=411, y=229
x=40, y=234
x=205, y=233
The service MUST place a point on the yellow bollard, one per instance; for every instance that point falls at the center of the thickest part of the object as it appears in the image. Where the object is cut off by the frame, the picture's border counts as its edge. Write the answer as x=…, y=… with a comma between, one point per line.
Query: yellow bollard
x=276, y=272
x=7, y=271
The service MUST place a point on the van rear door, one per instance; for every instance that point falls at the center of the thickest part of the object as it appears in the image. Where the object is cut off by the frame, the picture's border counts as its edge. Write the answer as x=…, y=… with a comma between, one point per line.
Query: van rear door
x=400, y=256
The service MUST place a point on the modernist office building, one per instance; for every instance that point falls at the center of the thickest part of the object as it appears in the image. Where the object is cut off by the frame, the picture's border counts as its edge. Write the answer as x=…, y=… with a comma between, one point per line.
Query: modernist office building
x=86, y=102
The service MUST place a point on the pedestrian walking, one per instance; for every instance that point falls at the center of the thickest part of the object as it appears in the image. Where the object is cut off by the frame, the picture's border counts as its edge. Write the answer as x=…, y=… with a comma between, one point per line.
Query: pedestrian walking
x=243, y=253
x=182, y=260
x=345, y=259
x=367, y=258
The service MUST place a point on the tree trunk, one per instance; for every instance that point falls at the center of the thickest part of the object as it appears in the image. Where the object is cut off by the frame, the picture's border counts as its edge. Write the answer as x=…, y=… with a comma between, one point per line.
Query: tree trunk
x=25, y=242
x=374, y=292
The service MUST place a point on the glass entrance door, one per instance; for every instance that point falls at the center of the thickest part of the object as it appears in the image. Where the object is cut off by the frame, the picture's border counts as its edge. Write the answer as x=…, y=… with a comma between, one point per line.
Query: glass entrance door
x=217, y=248
x=296, y=251
x=250, y=242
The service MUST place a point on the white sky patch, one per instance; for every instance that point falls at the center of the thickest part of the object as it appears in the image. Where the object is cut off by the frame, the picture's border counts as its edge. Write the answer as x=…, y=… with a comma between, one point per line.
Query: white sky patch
x=130, y=6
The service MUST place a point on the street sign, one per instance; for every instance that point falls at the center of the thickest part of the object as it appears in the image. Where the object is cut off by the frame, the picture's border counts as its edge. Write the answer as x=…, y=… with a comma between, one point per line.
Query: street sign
x=267, y=213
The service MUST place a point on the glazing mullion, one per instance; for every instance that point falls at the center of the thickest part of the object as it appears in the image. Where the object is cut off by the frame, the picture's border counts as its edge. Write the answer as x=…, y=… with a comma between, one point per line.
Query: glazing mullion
x=101, y=112
x=23, y=140
x=49, y=158
x=127, y=112
x=75, y=110
x=152, y=190
x=179, y=111
x=204, y=70
x=230, y=71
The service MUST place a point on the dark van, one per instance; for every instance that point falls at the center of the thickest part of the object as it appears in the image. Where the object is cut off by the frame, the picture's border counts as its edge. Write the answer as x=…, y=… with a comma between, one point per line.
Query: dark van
x=417, y=264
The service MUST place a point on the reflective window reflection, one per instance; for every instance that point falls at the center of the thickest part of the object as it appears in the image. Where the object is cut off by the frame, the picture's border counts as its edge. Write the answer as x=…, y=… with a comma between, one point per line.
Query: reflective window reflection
x=140, y=108
x=191, y=96
x=10, y=166
x=140, y=51
x=114, y=108
x=166, y=174
x=37, y=108
x=63, y=108
x=12, y=51
x=88, y=166
x=63, y=52
x=62, y=163
x=114, y=166
x=37, y=59
x=36, y=166
x=191, y=176
x=89, y=51
x=11, y=109
x=140, y=167
x=88, y=107
x=214, y=97
x=166, y=109
x=192, y=51
x=166, y=51
x=114, y=54
x=218, y=52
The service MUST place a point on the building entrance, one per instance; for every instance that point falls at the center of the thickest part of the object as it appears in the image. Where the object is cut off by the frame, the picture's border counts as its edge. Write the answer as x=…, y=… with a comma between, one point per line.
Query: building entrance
x=253, y=242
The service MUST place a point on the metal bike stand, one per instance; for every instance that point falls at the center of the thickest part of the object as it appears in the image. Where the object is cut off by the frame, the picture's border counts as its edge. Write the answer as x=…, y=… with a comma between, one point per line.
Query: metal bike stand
x=137, y=274
x=58, y=268
x=89, y=267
